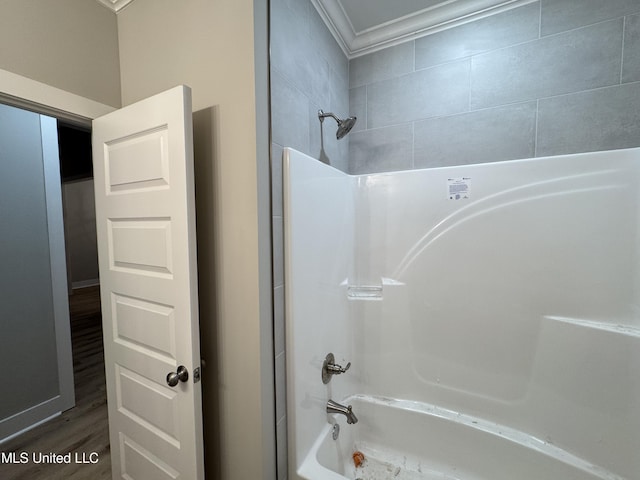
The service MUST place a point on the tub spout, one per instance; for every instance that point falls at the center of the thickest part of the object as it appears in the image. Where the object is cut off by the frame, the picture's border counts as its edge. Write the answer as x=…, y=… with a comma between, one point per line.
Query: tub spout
x=334, y=407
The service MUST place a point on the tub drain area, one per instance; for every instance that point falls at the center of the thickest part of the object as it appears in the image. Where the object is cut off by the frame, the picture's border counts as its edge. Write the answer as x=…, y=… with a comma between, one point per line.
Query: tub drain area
x=375, y=468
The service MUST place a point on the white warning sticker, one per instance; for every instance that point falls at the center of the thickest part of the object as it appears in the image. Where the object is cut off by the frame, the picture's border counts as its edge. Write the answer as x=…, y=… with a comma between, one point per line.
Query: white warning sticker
x=458, y=188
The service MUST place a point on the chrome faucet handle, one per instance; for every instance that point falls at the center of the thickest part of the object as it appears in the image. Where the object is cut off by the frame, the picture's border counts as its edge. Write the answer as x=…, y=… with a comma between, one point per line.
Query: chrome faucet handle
x=329, y=368
x=337, y=369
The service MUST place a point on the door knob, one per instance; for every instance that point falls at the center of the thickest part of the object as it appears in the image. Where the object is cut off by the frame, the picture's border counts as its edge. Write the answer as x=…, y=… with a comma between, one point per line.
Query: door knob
x=182, y=375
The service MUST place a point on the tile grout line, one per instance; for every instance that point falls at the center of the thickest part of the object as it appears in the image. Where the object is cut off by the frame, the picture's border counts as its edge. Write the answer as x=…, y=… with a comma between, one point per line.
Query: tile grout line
x=624, y=27
x=366, y=107
x=413, y=123
x=413, y=145
x=413, y=67
x=540, y=20
x=469, y=84
x=535, y=129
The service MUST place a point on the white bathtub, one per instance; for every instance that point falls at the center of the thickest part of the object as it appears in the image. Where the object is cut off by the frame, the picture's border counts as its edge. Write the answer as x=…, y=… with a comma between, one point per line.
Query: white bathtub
x=516, y=306
x=404, y=440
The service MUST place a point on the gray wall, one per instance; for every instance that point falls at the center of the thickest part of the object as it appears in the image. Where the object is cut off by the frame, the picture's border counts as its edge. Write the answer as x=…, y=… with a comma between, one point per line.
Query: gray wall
x=28, y=340
x=548, y=78
x=80, y=233
x=308, y=72
x=68, y=44
x=219, y=49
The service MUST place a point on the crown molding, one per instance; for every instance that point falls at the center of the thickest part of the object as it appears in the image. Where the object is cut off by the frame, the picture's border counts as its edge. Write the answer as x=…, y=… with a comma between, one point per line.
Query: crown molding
x=447, y=14
x=115, y=5
x=337, y=22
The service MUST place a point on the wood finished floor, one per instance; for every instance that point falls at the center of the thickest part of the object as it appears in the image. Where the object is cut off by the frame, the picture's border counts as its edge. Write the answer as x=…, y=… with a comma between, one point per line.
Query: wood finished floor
x=84, y=428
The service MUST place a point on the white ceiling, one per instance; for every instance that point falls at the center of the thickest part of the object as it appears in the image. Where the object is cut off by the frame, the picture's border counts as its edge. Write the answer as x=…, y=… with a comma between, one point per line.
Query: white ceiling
x=364, y=26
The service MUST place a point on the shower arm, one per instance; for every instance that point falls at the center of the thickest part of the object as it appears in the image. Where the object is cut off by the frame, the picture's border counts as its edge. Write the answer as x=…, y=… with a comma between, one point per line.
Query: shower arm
x=322, y=116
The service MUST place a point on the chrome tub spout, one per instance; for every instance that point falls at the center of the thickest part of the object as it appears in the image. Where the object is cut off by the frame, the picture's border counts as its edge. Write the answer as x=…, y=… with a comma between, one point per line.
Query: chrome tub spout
x=334, y=407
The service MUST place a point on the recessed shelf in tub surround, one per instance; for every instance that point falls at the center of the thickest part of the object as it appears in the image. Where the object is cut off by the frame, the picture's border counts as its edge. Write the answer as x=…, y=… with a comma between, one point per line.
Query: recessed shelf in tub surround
x=370, y=291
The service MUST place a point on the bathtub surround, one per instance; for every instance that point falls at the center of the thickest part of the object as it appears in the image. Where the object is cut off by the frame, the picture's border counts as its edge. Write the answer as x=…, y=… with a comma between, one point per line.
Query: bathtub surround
x=495, y=321
x=533, y=81
x=312, y=186
x=309, y=72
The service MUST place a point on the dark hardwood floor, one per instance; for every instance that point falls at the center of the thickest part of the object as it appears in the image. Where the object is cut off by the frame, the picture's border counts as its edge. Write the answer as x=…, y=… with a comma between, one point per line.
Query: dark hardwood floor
x=82, y=429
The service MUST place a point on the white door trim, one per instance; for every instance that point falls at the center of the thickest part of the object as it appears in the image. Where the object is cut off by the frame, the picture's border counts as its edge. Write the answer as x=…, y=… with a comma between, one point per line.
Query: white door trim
x=57, y=256
x=30, y=94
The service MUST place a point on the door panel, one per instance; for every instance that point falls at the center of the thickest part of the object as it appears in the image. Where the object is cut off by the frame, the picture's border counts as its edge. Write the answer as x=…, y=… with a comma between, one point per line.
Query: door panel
x=145, y=213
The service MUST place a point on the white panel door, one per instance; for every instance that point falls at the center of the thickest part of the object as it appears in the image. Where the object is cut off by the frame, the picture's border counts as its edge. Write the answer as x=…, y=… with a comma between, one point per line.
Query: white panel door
x=145, y=214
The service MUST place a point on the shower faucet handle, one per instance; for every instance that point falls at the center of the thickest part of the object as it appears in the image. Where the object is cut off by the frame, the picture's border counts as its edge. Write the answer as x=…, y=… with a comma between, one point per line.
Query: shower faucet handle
x=329, y=368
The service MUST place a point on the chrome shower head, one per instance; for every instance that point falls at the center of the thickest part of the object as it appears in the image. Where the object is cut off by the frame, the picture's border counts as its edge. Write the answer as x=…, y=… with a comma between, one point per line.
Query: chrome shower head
x=344, y=126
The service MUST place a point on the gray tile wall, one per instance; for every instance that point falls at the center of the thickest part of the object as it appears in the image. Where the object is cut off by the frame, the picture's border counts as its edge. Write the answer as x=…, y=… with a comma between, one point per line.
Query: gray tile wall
x=548, y=78
x=308, y=72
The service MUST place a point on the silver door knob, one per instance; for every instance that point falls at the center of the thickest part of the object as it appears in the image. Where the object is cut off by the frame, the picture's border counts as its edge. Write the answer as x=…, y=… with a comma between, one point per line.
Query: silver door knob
x=182, y=375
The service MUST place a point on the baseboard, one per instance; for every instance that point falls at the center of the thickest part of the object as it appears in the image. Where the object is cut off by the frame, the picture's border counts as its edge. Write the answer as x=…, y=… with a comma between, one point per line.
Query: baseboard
x=24, y=421
x=85, y=283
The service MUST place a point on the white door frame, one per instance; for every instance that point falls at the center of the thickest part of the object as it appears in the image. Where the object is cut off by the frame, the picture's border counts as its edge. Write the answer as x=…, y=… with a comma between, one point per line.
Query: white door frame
x=57, y=257
x=23, y=92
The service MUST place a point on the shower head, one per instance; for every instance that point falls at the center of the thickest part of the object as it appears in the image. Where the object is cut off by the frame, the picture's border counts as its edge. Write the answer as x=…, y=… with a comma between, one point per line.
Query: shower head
x=344, y=126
